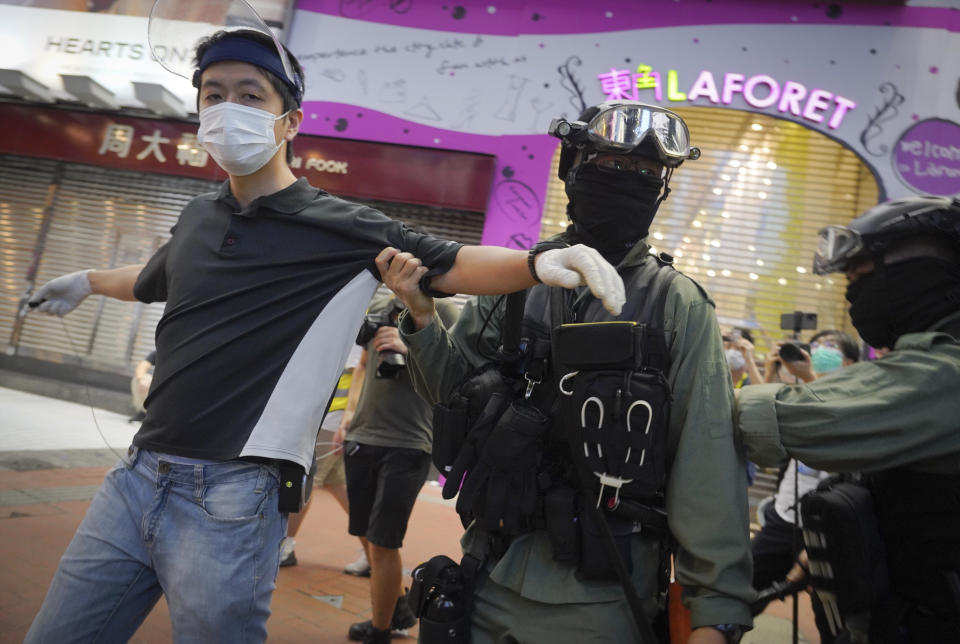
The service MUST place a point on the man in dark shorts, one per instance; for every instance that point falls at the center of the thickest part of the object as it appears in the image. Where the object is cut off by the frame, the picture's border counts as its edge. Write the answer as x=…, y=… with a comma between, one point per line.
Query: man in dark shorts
x=387, y=458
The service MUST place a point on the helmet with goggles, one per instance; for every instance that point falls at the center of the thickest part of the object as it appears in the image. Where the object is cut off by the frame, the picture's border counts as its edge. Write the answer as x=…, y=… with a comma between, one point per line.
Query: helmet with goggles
x=624, y=127
x=887, y=227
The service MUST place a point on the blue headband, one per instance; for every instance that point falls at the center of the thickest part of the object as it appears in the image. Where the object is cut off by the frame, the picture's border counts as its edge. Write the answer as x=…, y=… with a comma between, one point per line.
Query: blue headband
x=245, y=50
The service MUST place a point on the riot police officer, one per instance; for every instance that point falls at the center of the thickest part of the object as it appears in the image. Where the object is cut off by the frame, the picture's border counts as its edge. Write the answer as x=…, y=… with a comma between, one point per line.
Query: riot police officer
x=616, y=161
x=895, y=419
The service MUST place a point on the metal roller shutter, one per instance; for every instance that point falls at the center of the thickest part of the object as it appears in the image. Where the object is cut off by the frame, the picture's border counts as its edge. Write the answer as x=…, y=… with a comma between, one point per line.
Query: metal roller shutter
x=743, y=219
x=25, y=189
x=104, y=219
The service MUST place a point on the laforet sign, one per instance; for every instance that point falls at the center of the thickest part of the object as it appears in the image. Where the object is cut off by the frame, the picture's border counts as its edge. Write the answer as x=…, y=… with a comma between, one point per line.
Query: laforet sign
x=760, y=91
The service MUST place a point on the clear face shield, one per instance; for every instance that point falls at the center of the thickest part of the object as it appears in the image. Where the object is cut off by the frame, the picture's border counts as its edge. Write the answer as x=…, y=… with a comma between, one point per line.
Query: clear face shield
x=838, y=244
x=622, y=127
x=176, y=26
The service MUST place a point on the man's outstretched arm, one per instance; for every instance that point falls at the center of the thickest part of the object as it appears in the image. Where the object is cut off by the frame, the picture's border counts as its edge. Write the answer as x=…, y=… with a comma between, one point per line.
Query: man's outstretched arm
x=61, y=295
x=491, y=270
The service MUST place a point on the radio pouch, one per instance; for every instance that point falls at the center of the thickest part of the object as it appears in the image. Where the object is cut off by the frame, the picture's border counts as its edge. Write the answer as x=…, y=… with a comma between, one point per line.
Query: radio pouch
x=847, y=560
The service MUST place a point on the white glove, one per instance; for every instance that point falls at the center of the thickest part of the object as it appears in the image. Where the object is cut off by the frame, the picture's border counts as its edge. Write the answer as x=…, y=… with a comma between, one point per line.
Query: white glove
x=577, y=265
x=62, y=294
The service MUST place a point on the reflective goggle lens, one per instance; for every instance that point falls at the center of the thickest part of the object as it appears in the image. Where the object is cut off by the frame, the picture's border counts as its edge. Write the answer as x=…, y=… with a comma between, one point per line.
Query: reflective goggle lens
x=836, y=246
x=625, y=126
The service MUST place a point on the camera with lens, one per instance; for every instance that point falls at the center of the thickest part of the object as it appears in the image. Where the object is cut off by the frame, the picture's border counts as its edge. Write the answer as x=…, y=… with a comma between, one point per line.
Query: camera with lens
x=791, y=351
x=390, y=362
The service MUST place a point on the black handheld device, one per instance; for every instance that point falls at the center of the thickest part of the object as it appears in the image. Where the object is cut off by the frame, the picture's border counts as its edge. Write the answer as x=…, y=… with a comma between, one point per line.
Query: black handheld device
x=798, y=321
x=790, y=351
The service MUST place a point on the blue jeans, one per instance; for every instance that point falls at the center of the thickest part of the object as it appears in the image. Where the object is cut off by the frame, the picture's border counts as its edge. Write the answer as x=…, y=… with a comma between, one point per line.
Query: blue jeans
x=204, y=534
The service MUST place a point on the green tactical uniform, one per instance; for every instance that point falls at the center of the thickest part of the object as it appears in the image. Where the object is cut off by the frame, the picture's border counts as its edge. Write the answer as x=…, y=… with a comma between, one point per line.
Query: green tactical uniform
x=900, y=410
x=706, y=500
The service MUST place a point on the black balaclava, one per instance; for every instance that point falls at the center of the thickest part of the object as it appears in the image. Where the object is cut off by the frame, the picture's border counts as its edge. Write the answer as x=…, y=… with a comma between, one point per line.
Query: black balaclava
x=906, y=297
x=611, y=210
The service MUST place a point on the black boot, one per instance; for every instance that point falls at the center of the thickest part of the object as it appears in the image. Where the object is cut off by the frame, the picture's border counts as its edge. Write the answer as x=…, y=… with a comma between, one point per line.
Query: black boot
x=376, y=636
x=403, y=618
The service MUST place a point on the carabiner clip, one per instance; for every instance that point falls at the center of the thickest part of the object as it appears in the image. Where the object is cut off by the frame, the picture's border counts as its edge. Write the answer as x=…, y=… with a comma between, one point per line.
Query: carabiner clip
x=531, y=383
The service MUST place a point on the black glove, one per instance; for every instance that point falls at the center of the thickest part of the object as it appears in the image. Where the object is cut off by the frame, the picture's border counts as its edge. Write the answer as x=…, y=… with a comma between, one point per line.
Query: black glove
x=501, y=489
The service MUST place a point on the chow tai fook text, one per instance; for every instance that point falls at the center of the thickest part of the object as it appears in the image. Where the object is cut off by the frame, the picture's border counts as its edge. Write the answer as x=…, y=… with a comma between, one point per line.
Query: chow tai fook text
x=760, y=91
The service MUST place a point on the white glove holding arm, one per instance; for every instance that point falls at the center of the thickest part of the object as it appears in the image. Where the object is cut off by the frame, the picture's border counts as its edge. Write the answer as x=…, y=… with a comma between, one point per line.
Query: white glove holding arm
x=62, y=294
x=576, y=265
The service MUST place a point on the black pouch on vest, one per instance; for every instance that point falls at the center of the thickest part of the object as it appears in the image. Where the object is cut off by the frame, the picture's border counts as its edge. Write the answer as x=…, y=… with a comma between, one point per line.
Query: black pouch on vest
x=455, y=418
x=620, y=407
x=449, y=432
x=847, y=560
x=593, y=345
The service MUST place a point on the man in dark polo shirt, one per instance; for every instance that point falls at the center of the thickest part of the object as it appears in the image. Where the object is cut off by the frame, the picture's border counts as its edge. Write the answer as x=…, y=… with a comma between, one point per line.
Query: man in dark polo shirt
x=264, y=283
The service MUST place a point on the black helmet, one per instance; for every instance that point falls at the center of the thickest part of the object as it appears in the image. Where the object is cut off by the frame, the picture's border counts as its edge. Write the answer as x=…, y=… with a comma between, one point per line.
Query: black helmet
x=627, y=127
x=887, y=226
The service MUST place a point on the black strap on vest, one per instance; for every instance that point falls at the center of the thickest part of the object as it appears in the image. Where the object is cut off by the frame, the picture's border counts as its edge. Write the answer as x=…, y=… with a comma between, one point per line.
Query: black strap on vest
x=510, y=352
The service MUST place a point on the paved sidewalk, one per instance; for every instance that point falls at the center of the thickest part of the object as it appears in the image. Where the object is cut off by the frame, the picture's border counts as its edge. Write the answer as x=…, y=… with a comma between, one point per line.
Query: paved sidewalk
x=52, y=459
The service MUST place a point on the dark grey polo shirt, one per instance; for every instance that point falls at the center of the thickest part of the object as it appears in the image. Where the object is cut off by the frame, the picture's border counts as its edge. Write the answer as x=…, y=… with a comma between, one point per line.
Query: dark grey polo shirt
x=263, y=305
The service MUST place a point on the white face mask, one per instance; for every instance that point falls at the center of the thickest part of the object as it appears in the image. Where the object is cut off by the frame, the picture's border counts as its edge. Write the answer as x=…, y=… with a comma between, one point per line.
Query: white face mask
x=239, y=138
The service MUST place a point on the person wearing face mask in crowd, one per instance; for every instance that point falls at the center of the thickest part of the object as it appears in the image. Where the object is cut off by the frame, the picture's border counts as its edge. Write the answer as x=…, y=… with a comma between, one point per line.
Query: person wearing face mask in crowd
x=894, y=419
x=739, y=349
x=265, y=283
x=829, y=350
x=544, y=572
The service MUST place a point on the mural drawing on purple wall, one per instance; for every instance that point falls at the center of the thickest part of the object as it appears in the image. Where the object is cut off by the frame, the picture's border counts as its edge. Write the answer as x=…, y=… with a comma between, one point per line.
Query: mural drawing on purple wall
x=887, y=110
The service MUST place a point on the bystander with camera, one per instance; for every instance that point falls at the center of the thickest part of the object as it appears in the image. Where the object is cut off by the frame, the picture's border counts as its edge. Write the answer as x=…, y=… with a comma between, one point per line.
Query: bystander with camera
x=387, y=435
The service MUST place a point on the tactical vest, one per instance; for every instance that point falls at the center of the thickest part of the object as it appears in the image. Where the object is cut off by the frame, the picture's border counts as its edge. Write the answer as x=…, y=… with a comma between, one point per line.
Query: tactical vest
x=577, y=413
x=918, y=514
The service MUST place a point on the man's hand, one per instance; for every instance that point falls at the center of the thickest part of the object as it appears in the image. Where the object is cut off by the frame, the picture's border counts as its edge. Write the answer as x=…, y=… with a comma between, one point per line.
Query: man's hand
x=402, y=272
x=771, y=361
x=576, y=265
x=61, y=295
x=744, y=346
x=342, y=429
x=388, y=339
x=802, y=369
